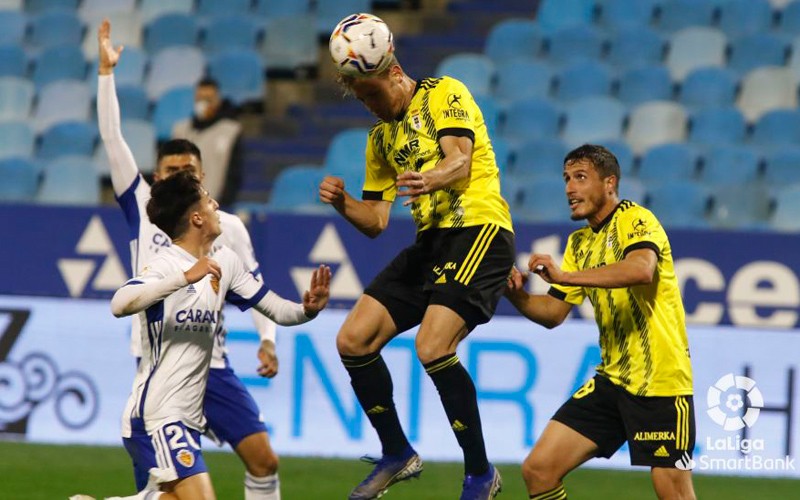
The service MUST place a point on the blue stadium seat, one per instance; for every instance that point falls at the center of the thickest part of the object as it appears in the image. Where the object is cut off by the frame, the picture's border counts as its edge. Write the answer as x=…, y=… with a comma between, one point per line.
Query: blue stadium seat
x=624, y=156
x=522, y=78
x=68, y=139
x=62, y=101
x=170, y=30
x=11, y=4
x=571, y=43
x=645, y=83
x=35, y=6
x=491, y=112
x=152, y=9
x=476, y=71
x=782, y=167
x=282, y=8
x=290, y=43
x=503, y=155
x=787, y=206
x=675, y=15
x=53, y=28
x=513, y=38
x=616, y=14
x=16, y=98
x=346, y=151
x=777, y=128
x=654, y=123
x=730, y=164
x=59, y=63
x=13, y=25
x=140, y=135
x=633, y=190
x=296, y=189
x=531, y=119
x=217, y=8
x=230, y=32
x=765, y=89
x=760, y=49
x=16, y=140
x=713, y=126
x=709, y=87
x=695, y=47
x=789, y=21
x=593, y=119
x=20, y=179
x=554, y=15
x=745, y=17
x=635, y=46
x=539, y=158
x=95, y=8
x=240, y=75
x=70, y=180
x=173, y=106
x=174, y=67
x=680, y=204
x=330, y=12
x=668, y=162
x=133, y=102
x=542, y=201
x=742, y=207
x=13, y=61
x=583, y=78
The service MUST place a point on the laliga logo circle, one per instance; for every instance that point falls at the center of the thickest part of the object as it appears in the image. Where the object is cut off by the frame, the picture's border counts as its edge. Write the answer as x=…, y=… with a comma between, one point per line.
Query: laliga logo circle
x=725, y=411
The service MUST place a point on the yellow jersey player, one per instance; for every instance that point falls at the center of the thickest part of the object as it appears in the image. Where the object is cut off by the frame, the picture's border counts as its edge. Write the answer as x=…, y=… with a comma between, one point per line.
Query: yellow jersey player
x=430, y=146
x=642, y=392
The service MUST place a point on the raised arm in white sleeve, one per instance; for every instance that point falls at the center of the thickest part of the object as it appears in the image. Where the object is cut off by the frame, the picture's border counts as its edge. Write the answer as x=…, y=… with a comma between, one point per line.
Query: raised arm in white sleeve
x=281, y=311
x=137, y=294
x=123, y=166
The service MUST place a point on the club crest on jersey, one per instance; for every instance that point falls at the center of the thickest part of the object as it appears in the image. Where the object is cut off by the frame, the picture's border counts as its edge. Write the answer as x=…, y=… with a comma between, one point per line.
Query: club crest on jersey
x=215, y=284
x=185, y=458
x=416, y=121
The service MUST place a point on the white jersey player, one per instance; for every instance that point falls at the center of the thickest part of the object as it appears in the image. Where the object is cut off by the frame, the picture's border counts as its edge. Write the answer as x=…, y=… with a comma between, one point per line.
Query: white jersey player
x=178, y=298
x=232, y=414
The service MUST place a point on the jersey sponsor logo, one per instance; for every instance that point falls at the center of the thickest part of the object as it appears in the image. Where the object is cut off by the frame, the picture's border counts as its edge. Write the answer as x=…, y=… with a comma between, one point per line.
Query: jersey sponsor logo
x=197, y=316
x=401, y=157
x=654, y=436
x=639, y=228
x=190, y=288
x=455, y=113
x=328, y=249
x=454, y=100
x=661, y=452
x=99, y=262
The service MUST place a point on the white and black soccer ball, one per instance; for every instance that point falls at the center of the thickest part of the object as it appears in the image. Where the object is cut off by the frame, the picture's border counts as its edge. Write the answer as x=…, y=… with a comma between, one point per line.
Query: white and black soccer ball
x=361, y=45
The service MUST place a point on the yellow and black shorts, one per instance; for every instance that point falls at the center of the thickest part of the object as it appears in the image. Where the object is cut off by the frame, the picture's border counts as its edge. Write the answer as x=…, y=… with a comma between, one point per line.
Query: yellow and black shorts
x=660, y=430
x=464, y=269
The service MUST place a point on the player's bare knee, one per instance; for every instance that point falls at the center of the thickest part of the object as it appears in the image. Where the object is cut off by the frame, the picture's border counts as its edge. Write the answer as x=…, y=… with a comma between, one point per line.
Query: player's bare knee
x=538, y=473
x=265, y=464
x=349, y=343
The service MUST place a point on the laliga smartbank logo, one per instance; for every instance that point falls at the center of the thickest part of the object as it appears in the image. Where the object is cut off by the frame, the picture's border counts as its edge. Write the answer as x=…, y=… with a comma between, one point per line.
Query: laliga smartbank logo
x=734, y=402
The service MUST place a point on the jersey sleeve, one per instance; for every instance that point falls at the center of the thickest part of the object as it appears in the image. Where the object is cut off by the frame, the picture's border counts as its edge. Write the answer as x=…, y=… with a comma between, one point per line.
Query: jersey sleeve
x=571, y=294
x=153, y=284
x=453, y=109
x=245, y=290
x=379, y=182
x=638, y=228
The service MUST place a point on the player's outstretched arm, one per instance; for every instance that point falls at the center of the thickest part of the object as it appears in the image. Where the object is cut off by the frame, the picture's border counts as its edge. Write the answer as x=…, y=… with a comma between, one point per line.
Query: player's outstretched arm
x=542, y=309
x=123, y=166
x=452, y=171
x=368, y=216
x=287, y=313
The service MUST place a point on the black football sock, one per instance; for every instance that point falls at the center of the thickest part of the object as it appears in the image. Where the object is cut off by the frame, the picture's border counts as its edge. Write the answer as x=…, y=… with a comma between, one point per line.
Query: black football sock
x=461, y=406
x=372, y=384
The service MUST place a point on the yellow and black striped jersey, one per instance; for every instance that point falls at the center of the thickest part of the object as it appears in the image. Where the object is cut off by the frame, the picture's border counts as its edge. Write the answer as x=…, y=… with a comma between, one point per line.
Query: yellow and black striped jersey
x=440, y=107
x=642, y=328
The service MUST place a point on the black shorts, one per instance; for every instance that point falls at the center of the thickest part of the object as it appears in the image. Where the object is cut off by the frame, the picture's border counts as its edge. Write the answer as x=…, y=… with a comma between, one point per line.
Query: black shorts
x=659, y=430
x=464, y=269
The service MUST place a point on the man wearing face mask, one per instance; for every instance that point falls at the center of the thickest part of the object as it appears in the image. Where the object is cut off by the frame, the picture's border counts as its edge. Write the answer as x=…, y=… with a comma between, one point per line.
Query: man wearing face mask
x=214, y=129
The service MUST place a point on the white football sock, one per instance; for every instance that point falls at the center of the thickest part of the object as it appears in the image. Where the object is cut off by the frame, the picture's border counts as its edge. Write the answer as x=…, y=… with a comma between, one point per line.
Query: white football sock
x=261, y=488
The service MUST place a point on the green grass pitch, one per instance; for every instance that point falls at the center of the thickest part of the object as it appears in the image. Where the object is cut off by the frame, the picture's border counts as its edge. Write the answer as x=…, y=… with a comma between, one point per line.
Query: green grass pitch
x=31, y=472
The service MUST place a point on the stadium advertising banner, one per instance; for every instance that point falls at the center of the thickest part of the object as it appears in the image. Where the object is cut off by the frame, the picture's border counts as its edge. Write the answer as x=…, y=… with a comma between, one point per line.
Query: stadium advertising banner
x=65, y=374
x=727, y=278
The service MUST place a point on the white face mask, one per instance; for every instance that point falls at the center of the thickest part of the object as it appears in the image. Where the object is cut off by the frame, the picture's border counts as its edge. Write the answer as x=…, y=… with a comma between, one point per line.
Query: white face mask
x=200, y=109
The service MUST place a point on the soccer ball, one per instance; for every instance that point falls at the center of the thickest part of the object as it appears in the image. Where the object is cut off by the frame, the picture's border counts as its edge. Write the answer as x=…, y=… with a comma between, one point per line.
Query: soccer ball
x=361, y=45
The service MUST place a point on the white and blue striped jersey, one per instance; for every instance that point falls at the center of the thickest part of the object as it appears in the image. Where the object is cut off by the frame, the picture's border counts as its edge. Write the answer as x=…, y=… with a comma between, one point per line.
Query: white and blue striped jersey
x=146, y=240
x=179, y=331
